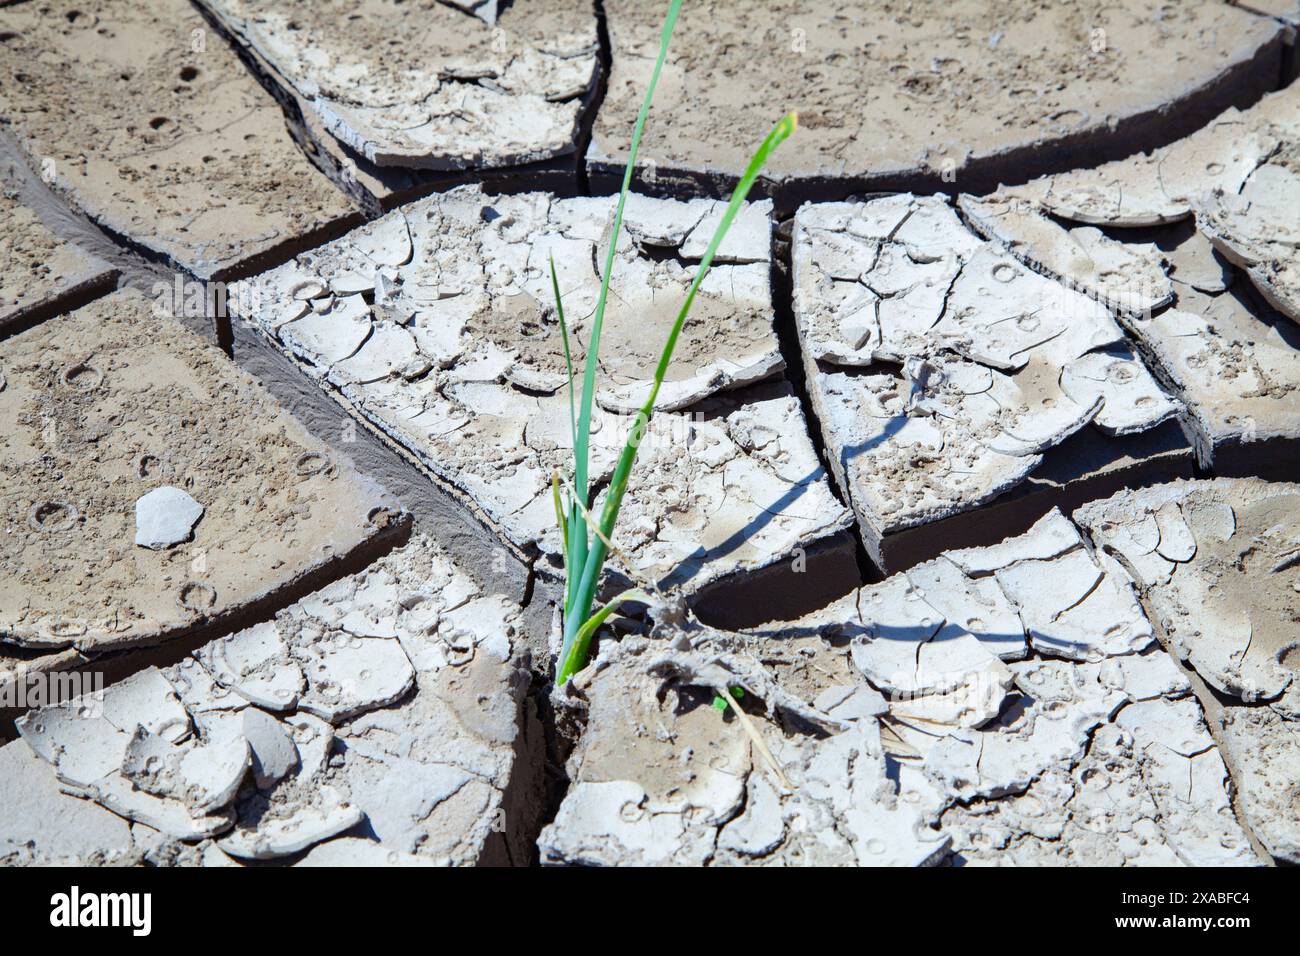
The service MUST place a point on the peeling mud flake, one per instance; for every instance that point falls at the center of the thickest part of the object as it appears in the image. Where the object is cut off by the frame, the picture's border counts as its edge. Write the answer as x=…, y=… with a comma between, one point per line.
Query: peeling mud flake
x=1128, y=277
x=276, y=838
x=1087, y=614
x=1264, y=749
x=660, y=778
x=1258, y=228
x=999, y=365
x=432, y=768
x=42, y=826
x=878, y=92
x=1125, y=801
x=883, y=729
x=39, y=272
x=1159, y=187
x=1131, y=399
x=421, y=705
x=173, y=784
x=143, y=117
x=1188, y=780
x=456, y=354
x=107, y=409
x=164, y=517
x=1237, y=370
x=460, y=91
x=1224, y=591
x=1239, y=176
x=1013, y=766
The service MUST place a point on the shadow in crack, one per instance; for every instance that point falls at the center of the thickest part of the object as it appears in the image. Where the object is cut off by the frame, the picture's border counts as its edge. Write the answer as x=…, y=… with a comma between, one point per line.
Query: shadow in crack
x=694, y=563
x=892, y=427
x=861, y=625
x=690, y=566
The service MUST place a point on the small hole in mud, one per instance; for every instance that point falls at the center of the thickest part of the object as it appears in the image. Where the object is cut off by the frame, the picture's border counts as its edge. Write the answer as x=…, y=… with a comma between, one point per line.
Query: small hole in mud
x=1290, y=658
x=73, y=16
x=311, y=463
x=149, y=466
x=52, y=516
x=189, y=74
x=83, y=377
x=8, y=35
x=1095, y=778
x=1054, y=709
x=1121, y=373
x=158, y=122
x=197, y=597
x=63, y=630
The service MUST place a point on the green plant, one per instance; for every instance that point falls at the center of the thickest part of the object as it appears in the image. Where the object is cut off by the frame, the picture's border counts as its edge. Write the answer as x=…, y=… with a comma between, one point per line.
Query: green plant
x=587, y=542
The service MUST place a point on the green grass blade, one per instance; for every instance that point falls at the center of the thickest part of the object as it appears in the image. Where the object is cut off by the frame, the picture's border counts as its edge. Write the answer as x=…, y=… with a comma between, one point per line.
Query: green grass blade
x=580, y=546
x=595, y=558
x=598, y=320
x=780, y=132
x=572, y=558
x=559, y=512
x=576, y=658
x=564, y=535
x=568, y=356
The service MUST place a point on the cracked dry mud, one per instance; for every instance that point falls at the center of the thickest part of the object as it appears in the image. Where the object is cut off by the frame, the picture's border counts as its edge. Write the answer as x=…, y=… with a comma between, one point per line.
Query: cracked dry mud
x=1239, y=178
x=145, y=120
x=458, y=92
x=1224, y=346
x=381, y=720
x=436, y=324
x=1033, y=646
x=964, y=710
x=943, y=371
x=1219, y=567
x=885, y=94
x=1286, y=10
x=38, y=271
x=104, y=406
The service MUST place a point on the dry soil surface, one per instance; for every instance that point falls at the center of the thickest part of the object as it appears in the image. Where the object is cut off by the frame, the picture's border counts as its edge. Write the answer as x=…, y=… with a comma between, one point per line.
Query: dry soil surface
x=896, y=95
x=145, y=120
x=110, y=403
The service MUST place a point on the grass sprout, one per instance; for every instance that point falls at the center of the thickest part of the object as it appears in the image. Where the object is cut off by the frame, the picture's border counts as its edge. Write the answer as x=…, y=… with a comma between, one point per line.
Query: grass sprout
x=588, y=541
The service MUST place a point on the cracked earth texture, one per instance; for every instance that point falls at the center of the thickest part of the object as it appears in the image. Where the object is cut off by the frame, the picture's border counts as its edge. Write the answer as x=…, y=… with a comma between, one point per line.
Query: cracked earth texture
x=968, y=516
